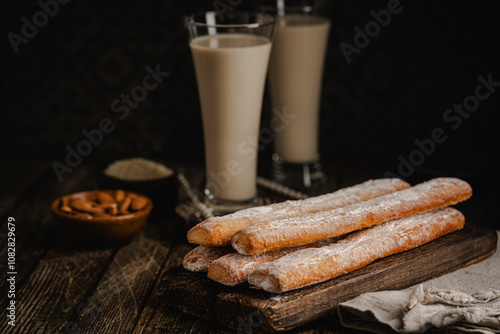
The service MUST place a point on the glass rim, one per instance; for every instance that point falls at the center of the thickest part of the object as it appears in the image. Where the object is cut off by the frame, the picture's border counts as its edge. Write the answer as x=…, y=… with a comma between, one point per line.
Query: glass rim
x=190, y=20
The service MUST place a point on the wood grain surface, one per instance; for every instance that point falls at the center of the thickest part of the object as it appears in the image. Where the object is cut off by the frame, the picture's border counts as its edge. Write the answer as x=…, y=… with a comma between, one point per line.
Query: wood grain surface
x=63, y=286
x=195, y=294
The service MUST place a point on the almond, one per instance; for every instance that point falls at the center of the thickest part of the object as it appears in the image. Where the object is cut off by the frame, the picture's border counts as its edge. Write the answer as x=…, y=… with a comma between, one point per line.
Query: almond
x=104, y=197
x=139, y=203
x=113, y=210
x=119, y=195
x=108, y=205
x=103, y=204
x=85, y=206
x=124, y=205
x=63, y=205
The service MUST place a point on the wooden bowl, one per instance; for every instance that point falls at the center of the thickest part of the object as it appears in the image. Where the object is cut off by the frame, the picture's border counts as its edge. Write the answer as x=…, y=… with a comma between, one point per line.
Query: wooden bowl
x=103, y=228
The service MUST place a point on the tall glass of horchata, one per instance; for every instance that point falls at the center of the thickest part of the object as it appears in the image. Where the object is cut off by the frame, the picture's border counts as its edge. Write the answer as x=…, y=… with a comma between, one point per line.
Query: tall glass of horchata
x=230, y=55
x=295, y=81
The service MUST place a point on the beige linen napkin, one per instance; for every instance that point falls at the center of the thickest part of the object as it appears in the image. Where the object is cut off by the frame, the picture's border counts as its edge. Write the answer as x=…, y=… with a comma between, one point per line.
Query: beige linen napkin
x=464, y=301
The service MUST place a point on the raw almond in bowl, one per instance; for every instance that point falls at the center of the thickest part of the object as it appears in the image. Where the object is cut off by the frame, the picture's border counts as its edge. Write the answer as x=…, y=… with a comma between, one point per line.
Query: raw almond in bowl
x=102, y=216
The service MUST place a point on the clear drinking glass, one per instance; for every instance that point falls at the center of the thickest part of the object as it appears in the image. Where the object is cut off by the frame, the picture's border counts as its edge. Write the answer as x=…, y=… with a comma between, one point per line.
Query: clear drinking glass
x=295, y=78
x=230, y=55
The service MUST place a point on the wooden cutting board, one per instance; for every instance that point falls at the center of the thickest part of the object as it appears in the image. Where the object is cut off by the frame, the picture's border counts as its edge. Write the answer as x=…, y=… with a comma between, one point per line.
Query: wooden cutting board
x=251, y=310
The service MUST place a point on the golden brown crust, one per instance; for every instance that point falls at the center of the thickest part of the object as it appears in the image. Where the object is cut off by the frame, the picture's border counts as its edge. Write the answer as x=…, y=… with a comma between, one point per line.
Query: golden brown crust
x=200, y=258
x=233, y=269
x=218, y=231
x=267, y=236
x=314, y=265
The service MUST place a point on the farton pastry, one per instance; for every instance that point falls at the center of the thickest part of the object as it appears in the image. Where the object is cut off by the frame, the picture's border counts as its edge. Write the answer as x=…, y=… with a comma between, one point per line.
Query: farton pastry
x=217, y=231
x=270, y=235
x=233, y=269
x=200, y=258
x=314, y=265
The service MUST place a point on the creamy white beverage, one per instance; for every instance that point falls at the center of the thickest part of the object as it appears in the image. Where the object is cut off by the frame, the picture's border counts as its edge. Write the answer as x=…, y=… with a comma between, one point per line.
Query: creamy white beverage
x=231, y=71
x=295, y=75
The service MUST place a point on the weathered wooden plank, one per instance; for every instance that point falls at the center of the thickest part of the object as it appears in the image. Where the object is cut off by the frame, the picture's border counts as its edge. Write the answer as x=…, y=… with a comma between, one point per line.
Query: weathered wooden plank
x=35, y=228
x=180, y=288
x=181, y=323
x=67, y=302
x=55, y=288
x=157, y=317
x=119, y=297
x=152, y=319
x=58, y=296
x=133, y=270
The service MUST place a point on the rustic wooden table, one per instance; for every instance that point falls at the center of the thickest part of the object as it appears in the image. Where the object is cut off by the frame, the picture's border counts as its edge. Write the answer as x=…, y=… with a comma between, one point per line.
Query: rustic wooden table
x=61, y=286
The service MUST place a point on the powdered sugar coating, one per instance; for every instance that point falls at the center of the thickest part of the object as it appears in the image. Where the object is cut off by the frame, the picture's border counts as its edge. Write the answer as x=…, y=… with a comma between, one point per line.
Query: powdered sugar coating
x=266, y=236
x=218, y=231
x=234, y=268
x=310, y=266
x=200, y=258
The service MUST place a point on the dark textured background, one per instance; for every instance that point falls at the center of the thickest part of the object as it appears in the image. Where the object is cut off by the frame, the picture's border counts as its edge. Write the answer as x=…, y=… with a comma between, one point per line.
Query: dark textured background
x=394, y=92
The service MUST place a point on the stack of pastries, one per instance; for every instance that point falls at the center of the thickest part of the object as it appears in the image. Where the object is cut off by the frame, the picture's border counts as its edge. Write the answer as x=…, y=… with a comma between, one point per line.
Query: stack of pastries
x=296, y=243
